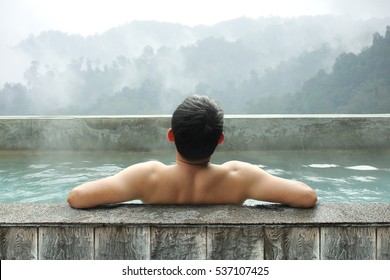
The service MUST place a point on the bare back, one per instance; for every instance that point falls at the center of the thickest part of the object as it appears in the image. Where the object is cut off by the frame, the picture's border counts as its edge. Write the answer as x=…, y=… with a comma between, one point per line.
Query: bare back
x=210, y=184
x=156, y=183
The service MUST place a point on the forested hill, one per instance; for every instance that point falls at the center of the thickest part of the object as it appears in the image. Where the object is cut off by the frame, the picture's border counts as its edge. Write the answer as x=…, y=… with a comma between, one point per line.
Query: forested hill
x=321, y=64
x=357, y=84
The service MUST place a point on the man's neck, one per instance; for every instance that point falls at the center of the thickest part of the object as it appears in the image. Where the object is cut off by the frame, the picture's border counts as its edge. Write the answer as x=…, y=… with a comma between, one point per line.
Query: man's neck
x=200, y=163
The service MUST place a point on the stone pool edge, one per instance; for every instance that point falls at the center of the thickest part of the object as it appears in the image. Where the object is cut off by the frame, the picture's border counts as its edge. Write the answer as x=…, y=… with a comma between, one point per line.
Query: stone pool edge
x=132, y=231
x=138, y=214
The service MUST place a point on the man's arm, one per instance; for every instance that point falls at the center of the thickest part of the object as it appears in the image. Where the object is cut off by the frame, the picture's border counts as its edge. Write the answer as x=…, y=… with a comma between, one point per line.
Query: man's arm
x=121, y=187
x=266, y=187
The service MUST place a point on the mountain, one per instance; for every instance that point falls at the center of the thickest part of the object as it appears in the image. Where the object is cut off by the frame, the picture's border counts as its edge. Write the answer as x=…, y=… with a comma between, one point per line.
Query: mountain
x=358, y=83
x=262, y=65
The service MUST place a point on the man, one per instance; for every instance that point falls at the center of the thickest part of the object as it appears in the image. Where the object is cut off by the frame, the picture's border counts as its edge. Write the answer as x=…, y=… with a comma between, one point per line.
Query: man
x=197, y=129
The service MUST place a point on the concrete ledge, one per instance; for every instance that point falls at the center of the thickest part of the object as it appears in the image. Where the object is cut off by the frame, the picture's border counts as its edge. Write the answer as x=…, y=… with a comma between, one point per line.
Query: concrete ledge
x=146, y=133
x=16, y=214
x=272, y=232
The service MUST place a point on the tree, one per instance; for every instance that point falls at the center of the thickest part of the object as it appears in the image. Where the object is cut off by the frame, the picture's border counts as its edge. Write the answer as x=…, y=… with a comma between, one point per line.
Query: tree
x=14, y=100
x=32, y=74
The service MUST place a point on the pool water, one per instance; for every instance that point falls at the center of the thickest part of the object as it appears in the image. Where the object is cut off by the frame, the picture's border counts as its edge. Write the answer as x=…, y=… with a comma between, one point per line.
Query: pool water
x=338, y=176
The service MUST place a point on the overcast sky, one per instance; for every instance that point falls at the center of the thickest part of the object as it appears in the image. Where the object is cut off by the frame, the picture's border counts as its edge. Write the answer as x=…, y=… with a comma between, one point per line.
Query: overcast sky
x=20, y=18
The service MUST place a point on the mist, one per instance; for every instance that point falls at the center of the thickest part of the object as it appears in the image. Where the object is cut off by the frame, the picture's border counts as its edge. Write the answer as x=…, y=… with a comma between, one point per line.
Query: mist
x=360, y=9
x=148, y=66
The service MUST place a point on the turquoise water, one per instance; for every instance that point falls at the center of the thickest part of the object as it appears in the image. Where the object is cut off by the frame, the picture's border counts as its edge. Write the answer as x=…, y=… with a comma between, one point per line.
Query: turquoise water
x=337, y=176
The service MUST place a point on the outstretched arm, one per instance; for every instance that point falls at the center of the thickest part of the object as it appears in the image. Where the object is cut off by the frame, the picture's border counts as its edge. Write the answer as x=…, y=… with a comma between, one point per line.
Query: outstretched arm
x=121, y=187
x=104, y=191
x=266, y=187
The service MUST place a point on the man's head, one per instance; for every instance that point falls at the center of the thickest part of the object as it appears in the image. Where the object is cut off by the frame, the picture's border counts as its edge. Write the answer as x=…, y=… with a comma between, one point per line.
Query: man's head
x=197, y=126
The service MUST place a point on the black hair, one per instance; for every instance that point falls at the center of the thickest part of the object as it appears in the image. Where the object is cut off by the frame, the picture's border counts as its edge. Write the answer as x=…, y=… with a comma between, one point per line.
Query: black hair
x=197, y=125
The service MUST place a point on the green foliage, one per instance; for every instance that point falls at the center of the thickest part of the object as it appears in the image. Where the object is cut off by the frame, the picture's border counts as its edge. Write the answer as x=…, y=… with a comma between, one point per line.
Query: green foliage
x=276, y=68
x=357, y=84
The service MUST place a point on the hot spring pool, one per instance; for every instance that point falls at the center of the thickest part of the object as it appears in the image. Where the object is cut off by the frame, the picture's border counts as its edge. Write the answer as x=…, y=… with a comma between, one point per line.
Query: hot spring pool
x=358, y=176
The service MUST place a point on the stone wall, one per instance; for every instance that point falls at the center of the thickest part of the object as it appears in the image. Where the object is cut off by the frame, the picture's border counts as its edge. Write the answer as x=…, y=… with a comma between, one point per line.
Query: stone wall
x=146, y=133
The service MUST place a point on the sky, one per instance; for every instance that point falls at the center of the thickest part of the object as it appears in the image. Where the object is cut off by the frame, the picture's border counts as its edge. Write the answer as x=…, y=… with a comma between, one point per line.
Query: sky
x=21, y=18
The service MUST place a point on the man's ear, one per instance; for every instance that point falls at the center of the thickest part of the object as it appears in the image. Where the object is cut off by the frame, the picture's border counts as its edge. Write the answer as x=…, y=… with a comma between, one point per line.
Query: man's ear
x=221, y=138
x=170, y=135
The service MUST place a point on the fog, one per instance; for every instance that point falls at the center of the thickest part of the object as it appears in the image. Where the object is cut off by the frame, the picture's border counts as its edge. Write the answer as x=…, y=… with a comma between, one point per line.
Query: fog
x=108, y=58
x=363, y=9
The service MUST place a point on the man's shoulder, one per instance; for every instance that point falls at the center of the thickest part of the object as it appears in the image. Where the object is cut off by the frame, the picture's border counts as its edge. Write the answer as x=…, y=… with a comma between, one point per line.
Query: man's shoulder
x=151, y=164
x=243, y=174
x=145, y=167
x=237, y=164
